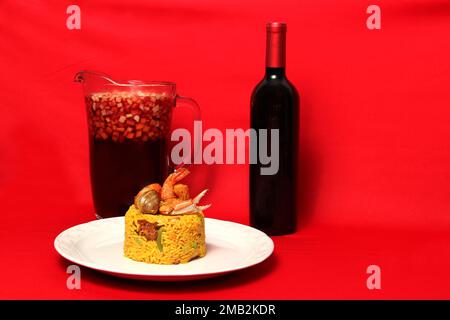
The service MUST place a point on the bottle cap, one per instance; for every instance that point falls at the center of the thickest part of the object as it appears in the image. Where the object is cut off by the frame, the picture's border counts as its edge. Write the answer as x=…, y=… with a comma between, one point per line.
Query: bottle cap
x=276, y=27
x=276, y=45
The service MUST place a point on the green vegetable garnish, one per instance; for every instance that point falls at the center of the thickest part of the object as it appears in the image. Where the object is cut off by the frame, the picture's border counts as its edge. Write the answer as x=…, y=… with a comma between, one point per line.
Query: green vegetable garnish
x=194, y=245
x=159, y=239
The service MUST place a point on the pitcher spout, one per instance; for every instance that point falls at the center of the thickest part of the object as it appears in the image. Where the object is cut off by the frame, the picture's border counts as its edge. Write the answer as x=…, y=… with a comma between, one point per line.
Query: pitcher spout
x=85, y=75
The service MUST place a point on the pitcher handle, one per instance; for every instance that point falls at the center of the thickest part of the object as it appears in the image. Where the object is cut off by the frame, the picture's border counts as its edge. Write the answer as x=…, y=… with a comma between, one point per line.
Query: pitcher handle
x=193, y=105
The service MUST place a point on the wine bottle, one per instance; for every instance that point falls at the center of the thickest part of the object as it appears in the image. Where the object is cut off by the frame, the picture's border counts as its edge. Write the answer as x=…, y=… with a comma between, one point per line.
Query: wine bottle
x=275, y=106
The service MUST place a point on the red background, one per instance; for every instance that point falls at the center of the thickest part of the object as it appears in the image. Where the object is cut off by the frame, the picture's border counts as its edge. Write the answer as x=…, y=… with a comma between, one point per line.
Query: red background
x=375, y=122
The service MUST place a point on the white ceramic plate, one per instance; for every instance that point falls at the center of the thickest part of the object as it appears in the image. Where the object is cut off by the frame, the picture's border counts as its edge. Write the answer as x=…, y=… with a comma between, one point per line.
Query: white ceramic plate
x=99, y=245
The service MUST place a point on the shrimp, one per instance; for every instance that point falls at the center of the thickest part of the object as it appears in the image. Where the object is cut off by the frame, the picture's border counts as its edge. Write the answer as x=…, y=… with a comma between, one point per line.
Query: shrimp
x=181, y=191
x=167, y=191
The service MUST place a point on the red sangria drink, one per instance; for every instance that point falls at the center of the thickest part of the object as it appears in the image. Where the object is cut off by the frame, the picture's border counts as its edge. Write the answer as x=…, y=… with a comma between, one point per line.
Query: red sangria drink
x=128, y=148
x=129, y=127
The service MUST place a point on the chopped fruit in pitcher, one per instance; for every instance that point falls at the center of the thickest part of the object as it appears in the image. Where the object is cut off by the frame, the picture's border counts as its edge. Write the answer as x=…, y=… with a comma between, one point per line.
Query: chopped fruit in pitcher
x=122, y=116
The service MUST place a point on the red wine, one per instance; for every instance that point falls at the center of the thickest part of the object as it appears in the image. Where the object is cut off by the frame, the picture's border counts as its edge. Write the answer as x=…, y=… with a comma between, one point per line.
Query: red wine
x=275, y=105
x=120, y=169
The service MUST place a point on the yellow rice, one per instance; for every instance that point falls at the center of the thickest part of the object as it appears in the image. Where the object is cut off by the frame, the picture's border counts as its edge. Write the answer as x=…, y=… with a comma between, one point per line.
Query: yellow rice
x=182, y=238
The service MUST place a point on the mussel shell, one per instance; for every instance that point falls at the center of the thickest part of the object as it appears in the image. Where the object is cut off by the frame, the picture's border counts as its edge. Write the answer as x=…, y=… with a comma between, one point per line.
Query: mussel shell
x=147, y=201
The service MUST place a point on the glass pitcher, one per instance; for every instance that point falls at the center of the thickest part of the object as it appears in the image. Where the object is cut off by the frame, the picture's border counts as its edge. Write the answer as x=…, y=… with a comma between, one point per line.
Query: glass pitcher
x=129, y=127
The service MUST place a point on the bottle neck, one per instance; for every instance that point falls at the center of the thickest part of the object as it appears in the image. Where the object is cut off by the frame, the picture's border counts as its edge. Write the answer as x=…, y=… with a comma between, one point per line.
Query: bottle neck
x=276, y=46
x=275, y=73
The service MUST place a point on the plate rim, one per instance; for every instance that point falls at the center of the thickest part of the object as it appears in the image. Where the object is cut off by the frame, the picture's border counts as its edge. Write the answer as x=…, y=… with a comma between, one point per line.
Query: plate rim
x=169, y=275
